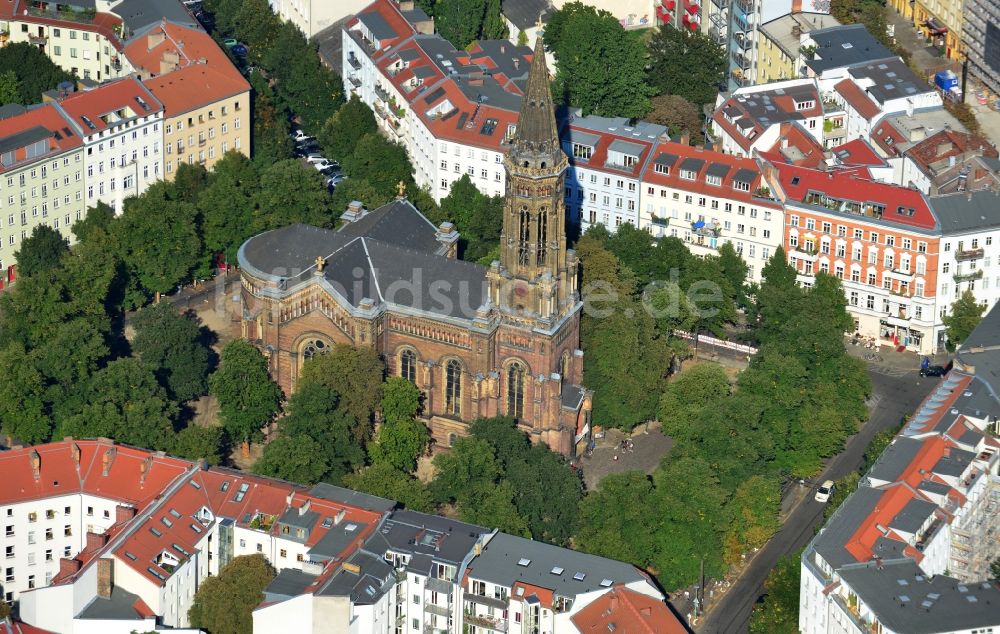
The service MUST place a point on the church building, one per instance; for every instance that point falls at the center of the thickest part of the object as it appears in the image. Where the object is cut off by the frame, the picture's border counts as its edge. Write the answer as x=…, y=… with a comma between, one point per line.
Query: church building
x=478, y=341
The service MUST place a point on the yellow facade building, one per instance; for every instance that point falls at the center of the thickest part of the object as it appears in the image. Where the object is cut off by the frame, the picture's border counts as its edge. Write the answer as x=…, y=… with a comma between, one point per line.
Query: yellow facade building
x=941, y=22
x=778, y=44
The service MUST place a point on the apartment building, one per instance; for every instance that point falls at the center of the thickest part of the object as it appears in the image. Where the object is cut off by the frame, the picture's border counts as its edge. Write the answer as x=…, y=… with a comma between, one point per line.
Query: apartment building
x=312, y=16
x=76, y=37
x=749, y=119
x=941, y=22
x=42, y=162
x=827, y=53
x=970, y=248
x=950, y=161
x=909, y=550
x=101, y=537
x=707, y=199
x=454, y=111
x=981, y=32
x=606, y=158
x=779, y=42
x=686, y=14
x=882, y=240
x=121, y=123
x=206, y=101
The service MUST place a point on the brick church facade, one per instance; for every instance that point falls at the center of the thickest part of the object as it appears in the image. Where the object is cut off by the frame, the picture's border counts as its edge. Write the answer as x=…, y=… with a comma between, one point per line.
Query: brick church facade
x=477, y=341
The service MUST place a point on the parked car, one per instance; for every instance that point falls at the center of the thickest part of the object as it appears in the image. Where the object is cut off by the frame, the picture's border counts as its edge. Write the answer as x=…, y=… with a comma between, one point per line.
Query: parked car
x=934, y=370
x=299, y=136
x=825, y=491
x=322, y=165
x=335, y=180
x=315, y=157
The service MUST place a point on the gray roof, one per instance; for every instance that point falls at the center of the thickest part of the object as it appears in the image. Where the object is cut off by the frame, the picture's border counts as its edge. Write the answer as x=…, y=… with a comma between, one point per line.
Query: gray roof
x=425, y=538
x=572, y=396
x=620, y=126
x=981, y=354
x=894, y=460
x=364, y=587
x=906, y=600
x=524, y=13
x=11, y=110
x=843, y=46
x=664, y=158
x=692, y=164
x=397, y=222
x=744, y=175
x=298, y=518
x=768, y=107
x=717, y=169
x=960, y=212
x=504, y=54
x=566, y=572
x=626, y=147
x=583, y=138
x=26, y=137
x=288, y=583
x=936, y=488
x=379, y=28
x=891, y=79
x=352, y=498
x=137, y=14
x=843, y=524
x=913, y=515
x=954, y=464
x=337, y=538
x=780, y=30
x=119, y=606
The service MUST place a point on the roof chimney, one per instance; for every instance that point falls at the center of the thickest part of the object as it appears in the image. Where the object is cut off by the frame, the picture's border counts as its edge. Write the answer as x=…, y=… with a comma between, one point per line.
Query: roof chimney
x=36, y=464
x=305, y=507
x=96, y=541
x=108, y=460
x=147, y=464
x=124, y=513
x=74, y=451
x=613, y=602
x=355, y=211
x=69, y=567
x=104, y=581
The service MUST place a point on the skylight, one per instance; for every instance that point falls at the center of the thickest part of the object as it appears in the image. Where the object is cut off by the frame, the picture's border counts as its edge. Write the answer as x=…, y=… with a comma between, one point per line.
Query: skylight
x=580, y=576
x=556, y=570
x=523, y=561
x=350, y=528
x=606, y=583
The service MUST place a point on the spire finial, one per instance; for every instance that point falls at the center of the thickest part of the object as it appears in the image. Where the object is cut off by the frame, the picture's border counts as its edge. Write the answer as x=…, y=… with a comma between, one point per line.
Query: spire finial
x=320, y=263
x=401, y=189
x=540, y=24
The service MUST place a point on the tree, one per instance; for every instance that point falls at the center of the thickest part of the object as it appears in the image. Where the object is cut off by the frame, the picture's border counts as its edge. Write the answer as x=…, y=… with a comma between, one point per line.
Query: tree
x=842, y=489
x=995, y=569
x=248, y=398
x=459, y=21
x=735, y=269
x=315, y=411
x=379, y=161
x=400, y=444
x=494, y=507
x=95, y=224
x=678, y=114
x=35, y=72
x=290, y=192
x=779, y=612
x=618, y=519
x=224, y=604
x=601, y=69
x=40, y=251
x=494, y=27
x=270, y=126
x=341, y=132
x=386, y=481
x=550, y=511
x=479, y=218
x=964, y=316
x=754, y=512
x=400, y=400
x=555, y=24
x=23, y=411
x=294, y=458
x=227, y=205
x=125, y=403
x=159, y=265
x=301, y=83
x=355, y=374
x=189, y=181
x=10, y=87
x=464, y=471
x=173, y=344
x=195, y=442
x=686, y=63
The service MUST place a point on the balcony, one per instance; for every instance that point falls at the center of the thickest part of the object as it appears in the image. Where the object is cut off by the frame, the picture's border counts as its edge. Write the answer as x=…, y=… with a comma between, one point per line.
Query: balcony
x=440, y=610
x=804, y=253
x=718, y=35
x=86, y=16
x=746, y=6
x=355, y=81
x=660, y=222
x=719, y=20
x=969, y=254
x=968, y=277
x=743, y=42
x=738, y=78
x=500, y=604
x=439, y=585
x=381, y=93
x=722, y=4
x=354, y=62
x=741, y=60
x=37, y=40
x=481, y=620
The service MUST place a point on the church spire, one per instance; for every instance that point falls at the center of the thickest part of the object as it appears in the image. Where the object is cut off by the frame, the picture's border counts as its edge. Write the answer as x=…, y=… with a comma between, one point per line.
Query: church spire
x=537, y=133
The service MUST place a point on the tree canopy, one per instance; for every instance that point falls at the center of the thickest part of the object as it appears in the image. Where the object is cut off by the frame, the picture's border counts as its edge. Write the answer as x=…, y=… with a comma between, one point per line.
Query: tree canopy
x=686, y=63
x=224, y=604
x=40, y=251
x=248, y=398
x=175, y=345
x=355, y=375
x=478, y=218
x=33, y=71
x=964, y=316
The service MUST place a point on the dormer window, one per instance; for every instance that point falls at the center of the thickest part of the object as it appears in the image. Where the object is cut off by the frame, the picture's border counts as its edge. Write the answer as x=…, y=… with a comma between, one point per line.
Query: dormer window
x=713, y=180
x=659, y=168
x=805, y=105
x=688, y=175
x=582, y=151
x=742, y=186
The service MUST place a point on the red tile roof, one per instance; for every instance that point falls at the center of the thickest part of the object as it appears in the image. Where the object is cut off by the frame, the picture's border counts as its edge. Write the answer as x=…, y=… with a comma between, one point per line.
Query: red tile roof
x=598, y=159
x=627, y=611
x=859, y=152
x=62, y=135
x=195, y=86
x=947, y=143
x=389, y=12
x=782, y=109
x=23, y=628
x=186, y=45
x=103, y=24
x=888, y=138
x=798, y=182
x=857, y=99
x=699, y=185
x=792, y=135
x=106, y=98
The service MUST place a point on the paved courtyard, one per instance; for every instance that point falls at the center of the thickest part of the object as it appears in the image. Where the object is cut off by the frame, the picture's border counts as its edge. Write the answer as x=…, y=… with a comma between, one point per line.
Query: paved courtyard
x=648, y=448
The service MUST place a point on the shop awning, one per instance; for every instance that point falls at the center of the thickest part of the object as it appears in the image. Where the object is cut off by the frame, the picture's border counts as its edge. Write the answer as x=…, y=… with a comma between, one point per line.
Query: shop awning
x=935, y=26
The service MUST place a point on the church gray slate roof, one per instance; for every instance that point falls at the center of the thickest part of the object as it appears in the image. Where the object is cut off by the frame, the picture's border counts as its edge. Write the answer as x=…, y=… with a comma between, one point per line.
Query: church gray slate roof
x=390, y=255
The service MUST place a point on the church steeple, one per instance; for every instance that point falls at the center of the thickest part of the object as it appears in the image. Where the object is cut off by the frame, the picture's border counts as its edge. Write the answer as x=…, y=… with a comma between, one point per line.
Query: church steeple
x=537, y=136
x=535, y=277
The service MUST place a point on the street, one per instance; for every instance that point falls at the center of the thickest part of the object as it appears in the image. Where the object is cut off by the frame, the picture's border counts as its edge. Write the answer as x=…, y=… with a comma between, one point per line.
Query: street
x=895, y=392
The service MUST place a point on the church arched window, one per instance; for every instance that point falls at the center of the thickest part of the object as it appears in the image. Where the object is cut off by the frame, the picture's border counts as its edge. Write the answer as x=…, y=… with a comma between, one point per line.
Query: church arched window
x=314, y=348
x=515, y=390
x=524, y=235
x=543, y=230
x=453, y=388
x=408, y=365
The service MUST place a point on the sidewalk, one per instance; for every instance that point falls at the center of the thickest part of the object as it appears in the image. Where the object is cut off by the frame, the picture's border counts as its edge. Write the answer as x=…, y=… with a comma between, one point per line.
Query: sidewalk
x=891, y=359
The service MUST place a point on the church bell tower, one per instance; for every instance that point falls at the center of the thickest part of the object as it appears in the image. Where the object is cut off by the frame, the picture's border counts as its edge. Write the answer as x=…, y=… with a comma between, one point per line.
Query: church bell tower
x=534, y=281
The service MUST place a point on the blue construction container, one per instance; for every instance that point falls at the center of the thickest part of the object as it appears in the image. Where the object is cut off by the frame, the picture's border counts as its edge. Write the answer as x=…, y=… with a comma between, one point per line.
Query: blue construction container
x=946, y=80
